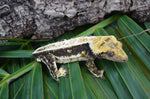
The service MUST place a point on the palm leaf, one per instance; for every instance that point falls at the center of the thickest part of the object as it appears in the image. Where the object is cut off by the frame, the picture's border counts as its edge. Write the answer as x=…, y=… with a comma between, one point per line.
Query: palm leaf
x=22, y=77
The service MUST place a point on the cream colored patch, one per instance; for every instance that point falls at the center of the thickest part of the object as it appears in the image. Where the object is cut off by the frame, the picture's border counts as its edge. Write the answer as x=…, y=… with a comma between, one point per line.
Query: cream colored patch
x=69, y=51
x=72, y=58
x=38, y=60
x=83, y=52
x=61, y=72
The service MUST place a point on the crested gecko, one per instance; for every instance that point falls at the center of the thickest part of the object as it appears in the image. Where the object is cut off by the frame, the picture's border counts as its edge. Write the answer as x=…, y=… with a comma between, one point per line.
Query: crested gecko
x=80, y=49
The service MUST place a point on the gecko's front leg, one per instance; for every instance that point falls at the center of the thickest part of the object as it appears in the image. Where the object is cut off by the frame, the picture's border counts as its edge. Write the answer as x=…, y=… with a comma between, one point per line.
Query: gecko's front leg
x=50, y=62
x=93, y=69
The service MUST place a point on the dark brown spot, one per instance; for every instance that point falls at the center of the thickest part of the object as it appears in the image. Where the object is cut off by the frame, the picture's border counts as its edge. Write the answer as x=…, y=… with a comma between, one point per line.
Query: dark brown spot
x=95, y=71
x=52, y=68
x=98, y=72
x=115, y=44
x=102, y=44
x=89, y=64
x=107, y=39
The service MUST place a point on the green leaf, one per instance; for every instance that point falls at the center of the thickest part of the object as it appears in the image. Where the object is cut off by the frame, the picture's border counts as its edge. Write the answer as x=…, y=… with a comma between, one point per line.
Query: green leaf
x=100, y=25
x=134, y=28
x=37, y=83
x=4, y=92
x=65, y=87
x=52, y=87
x=16, y=54
x=14, y=86
x=10, y=43
x=137, y=44
x=23, y=40
x=76, y=82
x=147, y=25
x=3, y=73
x=17, y=73
x=97, y=88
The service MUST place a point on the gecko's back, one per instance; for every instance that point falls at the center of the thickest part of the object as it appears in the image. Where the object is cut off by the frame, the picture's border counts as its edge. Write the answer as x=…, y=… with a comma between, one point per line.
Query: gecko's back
x=66, y=44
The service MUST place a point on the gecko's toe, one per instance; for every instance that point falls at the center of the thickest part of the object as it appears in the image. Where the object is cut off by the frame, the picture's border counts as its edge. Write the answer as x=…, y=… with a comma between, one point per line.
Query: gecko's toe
x=67, y=75
x=104, y=68
x=67, y=69
x=103, y=78
x=58, y=81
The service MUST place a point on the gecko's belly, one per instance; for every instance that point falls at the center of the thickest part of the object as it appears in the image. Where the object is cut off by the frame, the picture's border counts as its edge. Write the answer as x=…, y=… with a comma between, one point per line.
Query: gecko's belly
x=68, y=59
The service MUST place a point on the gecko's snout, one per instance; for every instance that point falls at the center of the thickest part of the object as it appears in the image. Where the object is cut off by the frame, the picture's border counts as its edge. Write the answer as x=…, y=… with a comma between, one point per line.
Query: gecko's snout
x=124, y=59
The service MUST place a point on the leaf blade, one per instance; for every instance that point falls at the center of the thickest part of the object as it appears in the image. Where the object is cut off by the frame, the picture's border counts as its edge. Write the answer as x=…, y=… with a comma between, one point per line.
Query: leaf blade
x=37, y=83
x=16, y=54
x=76, y=82
x=17, y=73
x=4, y=92
x=141, y=52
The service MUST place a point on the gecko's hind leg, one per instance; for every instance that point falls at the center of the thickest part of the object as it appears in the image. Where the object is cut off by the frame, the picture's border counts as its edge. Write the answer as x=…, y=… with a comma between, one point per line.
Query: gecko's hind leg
x=49, y=60
x=93, y=69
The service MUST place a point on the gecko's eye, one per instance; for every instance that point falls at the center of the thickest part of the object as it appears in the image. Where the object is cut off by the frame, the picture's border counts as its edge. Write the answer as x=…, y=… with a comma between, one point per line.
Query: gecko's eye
x=110, y=53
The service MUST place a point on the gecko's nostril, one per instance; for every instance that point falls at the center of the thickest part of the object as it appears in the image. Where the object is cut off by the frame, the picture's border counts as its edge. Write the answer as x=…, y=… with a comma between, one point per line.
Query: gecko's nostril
x=124, y=60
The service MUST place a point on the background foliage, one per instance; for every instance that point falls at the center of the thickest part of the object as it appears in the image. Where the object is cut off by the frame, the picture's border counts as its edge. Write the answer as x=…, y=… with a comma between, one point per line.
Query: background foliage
x=22, y=77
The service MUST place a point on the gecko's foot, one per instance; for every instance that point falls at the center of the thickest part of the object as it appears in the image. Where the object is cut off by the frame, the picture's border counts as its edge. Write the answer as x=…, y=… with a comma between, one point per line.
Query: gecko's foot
x=99, y=73
x=62, y=72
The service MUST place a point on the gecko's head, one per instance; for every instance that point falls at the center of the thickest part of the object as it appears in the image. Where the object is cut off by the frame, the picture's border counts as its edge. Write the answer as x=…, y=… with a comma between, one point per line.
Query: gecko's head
x=109, y=48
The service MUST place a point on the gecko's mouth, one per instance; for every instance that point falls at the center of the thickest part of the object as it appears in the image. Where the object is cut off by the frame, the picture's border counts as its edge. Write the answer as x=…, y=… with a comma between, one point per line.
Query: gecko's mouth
x=122, y=60
x=118, y=59
x=125, y=60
